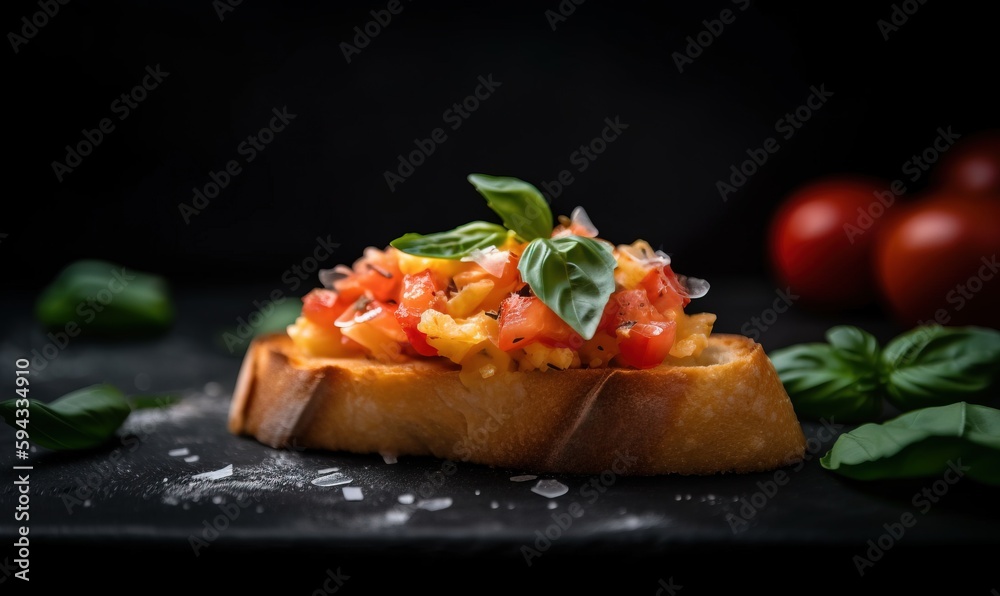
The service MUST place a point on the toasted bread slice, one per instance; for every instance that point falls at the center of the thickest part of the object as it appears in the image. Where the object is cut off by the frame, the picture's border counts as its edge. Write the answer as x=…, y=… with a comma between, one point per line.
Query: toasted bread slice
x=727, y=411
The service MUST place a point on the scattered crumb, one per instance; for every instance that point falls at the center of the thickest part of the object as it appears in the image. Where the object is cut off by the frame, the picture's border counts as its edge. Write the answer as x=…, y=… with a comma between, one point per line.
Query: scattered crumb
x=353, y=493
x=215, y=474
x=550, y=488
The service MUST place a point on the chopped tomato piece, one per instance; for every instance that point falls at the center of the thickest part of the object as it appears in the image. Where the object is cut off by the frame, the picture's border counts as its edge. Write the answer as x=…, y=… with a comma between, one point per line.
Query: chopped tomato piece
x=609, y=318
x=645, y=345
x=664, y=289
x=421, y=291
x=373, y=314
x=644, y=334
x=322, y=307
x=635, y=306
x=376, y=274
x=526, y=319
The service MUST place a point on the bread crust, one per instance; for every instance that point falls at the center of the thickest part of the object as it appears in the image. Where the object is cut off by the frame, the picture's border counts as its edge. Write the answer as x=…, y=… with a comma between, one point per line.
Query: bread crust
x=728, y=412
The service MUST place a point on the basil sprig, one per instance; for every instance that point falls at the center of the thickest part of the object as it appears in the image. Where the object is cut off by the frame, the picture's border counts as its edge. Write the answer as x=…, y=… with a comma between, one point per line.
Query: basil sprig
x=453, y=244
x=925, y=442
x=520, y=205
x=929, y=365
x=849, y=378
x=836, y=380
x=104, y=298
x=573, y=276
x=82, y=419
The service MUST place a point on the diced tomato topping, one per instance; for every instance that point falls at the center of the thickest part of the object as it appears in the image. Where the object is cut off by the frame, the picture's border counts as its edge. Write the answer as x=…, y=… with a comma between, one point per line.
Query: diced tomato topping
x=375, y=314
x=376, y=274
x=645, y=345
x=322, y=307
x=421, y=291
x=664, y=289
x=609, y=318
x=635, y=306
x=644, y=335
x=526, y=319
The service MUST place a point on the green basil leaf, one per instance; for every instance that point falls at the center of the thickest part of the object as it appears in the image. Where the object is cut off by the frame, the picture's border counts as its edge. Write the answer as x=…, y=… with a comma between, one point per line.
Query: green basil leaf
x=935, y=365
x=79, y=420
x=521, y=206
x=146, y=402
x=573, y=276
x=104, y=298
x=925, y=442
x=854, y=345
x=826, y=383
x=453, y=244
x=273, y=317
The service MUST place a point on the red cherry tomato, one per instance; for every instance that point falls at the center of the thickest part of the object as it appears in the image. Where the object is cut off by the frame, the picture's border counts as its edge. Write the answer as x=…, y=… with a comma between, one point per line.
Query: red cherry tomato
x=937, y=261
x=822, y=236
x=972, y=165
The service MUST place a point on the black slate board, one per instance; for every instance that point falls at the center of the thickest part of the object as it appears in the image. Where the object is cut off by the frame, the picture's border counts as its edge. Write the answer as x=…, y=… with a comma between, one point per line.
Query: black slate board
x=134, y=511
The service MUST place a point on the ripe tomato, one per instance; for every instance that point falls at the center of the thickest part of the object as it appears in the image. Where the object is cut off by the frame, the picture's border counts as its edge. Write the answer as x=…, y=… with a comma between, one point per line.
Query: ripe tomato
x=526, y=319
x=664, y=289
x=937, y=261
x=421, y=291
x=644, y=335
x=972, y=165
x=821, y=240
x=322, y=307
x=372, y=323
x=645, y=345
x=375, y=274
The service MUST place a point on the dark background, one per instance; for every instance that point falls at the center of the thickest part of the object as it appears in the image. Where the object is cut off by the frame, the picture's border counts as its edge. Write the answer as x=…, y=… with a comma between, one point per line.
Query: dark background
x=323, y=175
